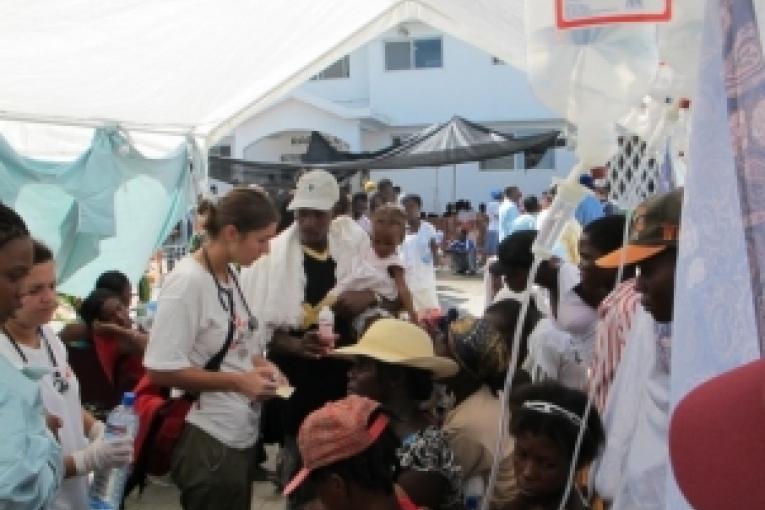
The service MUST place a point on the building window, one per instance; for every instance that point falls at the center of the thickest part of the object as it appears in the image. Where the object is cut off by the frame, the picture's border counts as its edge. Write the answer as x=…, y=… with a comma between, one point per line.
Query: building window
x=400, y=138
x=340, y=69
x=497, y=61
x=415, y=54
x=503, y=163
x=291, y=158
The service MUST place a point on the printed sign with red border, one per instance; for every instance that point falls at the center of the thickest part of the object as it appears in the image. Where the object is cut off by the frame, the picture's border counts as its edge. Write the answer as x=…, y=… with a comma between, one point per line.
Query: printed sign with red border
x=587, y=13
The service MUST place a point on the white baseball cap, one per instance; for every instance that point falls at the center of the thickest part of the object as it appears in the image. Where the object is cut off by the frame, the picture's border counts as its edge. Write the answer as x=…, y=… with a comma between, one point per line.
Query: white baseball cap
x=316, y=189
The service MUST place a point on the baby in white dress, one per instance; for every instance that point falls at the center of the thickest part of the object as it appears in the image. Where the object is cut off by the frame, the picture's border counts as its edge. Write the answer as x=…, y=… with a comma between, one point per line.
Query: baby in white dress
x=380, y=269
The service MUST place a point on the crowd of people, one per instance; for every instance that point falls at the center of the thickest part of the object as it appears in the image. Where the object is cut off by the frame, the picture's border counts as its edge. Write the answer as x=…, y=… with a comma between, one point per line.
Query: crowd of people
x=397, y=405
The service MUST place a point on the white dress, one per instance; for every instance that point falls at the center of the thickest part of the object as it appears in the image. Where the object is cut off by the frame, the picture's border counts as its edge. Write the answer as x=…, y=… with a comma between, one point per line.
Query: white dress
x=576, y=318
x=370, y=272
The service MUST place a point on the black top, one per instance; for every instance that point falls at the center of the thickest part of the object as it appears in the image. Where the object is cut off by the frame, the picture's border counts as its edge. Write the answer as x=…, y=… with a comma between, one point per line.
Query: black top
x=316, y=382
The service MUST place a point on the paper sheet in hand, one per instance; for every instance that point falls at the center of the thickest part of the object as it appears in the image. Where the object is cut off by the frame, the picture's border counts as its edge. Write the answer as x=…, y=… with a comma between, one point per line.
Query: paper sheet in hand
x=285, y=392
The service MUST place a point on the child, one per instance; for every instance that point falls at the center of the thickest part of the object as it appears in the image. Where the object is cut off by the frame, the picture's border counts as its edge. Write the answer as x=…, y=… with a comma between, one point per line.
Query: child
x=545, y=422
x=380, y=269
x=463, y=251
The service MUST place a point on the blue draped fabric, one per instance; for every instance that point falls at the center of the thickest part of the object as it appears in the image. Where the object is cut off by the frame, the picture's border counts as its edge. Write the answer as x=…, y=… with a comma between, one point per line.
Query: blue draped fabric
x=111, y=208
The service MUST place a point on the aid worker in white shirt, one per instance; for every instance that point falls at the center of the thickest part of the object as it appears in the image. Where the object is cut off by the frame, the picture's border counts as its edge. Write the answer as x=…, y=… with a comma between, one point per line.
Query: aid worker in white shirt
x=29, y=343
x=201, y=306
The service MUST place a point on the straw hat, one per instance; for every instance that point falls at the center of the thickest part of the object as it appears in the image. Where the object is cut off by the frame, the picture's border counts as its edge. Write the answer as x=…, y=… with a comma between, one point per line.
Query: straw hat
x=400, y=343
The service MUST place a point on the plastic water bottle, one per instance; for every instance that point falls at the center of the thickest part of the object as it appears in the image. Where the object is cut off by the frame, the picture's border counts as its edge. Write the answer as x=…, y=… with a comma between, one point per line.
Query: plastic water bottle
x=107, y=486
x=474, y=493
x=327, y=327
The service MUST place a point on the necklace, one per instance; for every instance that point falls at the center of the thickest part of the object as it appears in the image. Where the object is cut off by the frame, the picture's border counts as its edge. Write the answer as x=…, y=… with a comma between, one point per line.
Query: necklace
x=321, y=256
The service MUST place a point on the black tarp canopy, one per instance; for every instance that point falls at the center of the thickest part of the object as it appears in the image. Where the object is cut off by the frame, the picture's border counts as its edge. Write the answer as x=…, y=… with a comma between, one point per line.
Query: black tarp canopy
x=455, y=141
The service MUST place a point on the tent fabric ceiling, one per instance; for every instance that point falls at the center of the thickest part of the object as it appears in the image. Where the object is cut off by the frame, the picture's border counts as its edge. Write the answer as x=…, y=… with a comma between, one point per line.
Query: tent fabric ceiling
x=201, y=67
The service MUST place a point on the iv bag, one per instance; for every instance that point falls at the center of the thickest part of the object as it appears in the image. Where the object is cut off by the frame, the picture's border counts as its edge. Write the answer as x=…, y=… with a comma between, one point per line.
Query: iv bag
x=680, y=45
x=590, y=76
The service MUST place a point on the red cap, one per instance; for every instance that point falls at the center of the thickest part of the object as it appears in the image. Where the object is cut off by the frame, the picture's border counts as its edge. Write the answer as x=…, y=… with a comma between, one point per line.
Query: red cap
x=337, y=431
x=717, y=441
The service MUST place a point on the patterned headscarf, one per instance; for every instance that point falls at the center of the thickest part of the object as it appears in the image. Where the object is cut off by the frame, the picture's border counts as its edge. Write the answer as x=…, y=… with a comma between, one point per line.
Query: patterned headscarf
x=480, y=348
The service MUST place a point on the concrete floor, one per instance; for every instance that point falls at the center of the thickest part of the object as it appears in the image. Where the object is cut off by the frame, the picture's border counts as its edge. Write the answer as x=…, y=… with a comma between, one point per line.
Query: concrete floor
x=466, y=293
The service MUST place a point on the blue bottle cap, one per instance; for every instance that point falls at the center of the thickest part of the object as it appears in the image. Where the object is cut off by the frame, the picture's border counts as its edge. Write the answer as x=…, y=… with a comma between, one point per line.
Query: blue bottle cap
x=128, y=398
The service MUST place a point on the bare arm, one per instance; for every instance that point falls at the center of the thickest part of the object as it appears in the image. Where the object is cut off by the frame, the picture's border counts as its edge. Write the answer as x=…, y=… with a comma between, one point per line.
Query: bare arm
x=73, y=332
x=87, y=421
x=257, y=384
x=130, y=341
x=309, y=346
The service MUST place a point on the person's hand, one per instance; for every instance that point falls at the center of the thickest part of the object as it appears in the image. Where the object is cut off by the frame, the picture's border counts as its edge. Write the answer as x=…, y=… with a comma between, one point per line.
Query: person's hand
x=352, y=302
x=104, y=454
x=261, y=362
x=97, y=431
x=311, y=345
x=107, y=328
x=260, y=383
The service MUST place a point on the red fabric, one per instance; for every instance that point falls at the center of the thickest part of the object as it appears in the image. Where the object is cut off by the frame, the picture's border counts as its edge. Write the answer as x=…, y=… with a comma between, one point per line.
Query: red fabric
x=717, y=441
x=107, y=348
x=404, y=501
x=122, y=370
x=615, y=315
x=161, y=421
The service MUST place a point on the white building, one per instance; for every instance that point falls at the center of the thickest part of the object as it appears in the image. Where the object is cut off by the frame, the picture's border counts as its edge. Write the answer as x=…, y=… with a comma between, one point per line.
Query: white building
x=396, y=85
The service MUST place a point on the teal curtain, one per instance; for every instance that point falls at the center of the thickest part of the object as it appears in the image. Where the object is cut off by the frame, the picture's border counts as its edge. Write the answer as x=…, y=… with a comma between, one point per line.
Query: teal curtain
x=111, y=208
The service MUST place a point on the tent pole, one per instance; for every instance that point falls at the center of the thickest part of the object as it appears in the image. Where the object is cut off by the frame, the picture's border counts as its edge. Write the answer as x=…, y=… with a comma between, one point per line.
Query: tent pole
x=454, y=183
x=437, y=198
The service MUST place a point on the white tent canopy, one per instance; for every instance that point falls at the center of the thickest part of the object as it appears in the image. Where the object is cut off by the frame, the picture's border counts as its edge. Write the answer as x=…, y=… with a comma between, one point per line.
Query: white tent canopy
x=201, y=67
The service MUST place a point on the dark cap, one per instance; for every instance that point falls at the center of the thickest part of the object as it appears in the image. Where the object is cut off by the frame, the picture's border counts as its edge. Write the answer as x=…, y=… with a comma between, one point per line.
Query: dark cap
x=655, y=227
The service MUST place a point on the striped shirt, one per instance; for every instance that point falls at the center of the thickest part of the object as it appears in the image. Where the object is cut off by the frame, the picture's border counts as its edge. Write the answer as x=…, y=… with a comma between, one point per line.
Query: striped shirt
x=615, y=315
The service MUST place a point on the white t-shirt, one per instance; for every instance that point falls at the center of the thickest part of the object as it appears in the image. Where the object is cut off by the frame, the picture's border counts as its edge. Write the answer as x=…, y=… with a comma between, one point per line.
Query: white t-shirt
x=574, y=316
x=492, y=210
x=73, y=494
x=365, y=223
x=189, y=329
x=418, y=258
x=370, y=272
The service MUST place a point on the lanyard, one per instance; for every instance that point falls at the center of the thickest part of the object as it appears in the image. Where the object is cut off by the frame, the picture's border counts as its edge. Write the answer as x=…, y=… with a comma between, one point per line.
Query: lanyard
x=252, y=322
x=44, y=341
x=59, y=382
